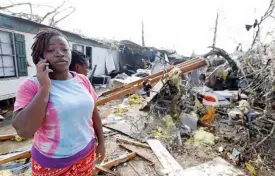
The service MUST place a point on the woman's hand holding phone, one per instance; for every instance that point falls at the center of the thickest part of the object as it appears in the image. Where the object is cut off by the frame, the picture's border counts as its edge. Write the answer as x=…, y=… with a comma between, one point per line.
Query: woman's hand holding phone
x=43, y=74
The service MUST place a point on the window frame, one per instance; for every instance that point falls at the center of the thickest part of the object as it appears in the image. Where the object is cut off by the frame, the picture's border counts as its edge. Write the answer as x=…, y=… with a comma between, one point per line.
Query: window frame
x=76, y=44
x=11, y=33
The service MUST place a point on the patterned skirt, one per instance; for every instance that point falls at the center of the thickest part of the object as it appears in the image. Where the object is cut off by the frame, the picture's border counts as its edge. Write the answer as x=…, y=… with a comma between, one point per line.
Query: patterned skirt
x=84, y=167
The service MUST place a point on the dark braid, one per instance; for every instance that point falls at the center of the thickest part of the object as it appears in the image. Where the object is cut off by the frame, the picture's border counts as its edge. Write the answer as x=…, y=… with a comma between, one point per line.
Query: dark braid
x=42, y=40
x=78, y=58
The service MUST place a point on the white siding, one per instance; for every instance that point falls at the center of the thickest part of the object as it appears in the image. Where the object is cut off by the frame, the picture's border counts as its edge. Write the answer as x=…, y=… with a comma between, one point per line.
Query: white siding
x=104, y=59
x=115, y=55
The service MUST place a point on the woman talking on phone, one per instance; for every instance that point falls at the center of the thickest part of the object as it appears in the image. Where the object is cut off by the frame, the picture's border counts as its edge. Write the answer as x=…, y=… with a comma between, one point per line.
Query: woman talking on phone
x=59, y=108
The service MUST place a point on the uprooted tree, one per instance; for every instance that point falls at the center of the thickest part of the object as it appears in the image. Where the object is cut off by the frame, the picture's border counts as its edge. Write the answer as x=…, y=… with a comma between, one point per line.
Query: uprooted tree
x=52, y=17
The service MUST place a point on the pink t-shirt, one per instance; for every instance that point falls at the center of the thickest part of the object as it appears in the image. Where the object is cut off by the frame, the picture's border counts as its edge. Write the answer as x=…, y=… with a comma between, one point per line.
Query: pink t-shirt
x=67, y=131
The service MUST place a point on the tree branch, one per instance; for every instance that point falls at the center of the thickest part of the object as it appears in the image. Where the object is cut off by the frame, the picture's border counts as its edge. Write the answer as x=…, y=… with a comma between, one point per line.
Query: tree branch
x=267, y=14
x=14, y=5
x=53, y=17
x=73, y=10
x=271, y=132
x=215, y=31
x=225, y=55
x=54, y=11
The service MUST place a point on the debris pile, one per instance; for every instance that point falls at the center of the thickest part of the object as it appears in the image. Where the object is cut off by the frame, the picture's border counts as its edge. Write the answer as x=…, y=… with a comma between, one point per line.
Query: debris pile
x=239, y=98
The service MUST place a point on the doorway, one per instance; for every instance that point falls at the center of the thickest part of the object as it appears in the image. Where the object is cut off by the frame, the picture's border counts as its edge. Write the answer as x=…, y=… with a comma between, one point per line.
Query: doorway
x=89, y=54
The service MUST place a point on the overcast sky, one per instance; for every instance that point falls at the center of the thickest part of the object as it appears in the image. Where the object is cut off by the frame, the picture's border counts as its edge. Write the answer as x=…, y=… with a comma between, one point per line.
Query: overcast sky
x=184, y=25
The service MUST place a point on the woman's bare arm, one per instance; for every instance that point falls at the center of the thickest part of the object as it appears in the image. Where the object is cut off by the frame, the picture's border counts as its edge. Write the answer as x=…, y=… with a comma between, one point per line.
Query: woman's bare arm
x=100, y=149
x=28, y=120
x=98, y=126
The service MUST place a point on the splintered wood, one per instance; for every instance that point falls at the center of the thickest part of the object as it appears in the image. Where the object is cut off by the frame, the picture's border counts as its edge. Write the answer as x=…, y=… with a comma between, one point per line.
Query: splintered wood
x=115, y=162
x=23, y=153
x=14, y=156
x=170, y=165
x=107, y=170
x=132, y=142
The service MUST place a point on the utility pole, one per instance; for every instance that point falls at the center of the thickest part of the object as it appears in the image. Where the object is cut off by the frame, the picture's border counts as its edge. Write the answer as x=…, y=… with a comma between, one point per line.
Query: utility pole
x=215, y=31
x=142, y=37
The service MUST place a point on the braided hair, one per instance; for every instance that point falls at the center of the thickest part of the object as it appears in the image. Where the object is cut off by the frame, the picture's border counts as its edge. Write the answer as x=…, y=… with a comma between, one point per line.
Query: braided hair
x=42, y=40
x=78, y=58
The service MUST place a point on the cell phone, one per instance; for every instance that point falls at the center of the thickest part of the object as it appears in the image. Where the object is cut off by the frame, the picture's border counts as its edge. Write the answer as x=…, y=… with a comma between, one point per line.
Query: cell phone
x=46, y=67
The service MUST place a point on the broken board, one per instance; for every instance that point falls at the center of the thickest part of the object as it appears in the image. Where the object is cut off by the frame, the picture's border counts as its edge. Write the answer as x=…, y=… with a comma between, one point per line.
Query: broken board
x=153, y=93
x=115, y=162
x=170, y=165
x=24, y=152
x=215, y=167
x=118, y=139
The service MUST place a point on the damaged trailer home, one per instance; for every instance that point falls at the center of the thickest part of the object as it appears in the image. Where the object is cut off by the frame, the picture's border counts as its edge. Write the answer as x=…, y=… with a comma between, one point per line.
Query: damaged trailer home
x=16, y=38
x=132, y=54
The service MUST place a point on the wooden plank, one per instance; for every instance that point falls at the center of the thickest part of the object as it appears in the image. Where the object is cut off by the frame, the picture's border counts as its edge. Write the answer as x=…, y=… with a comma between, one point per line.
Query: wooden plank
x=7, y=137
x=14, y=156
x=165, y=158
x=118, y=139
x=137, y=152
x=149, y=77
x=184, y=69
x=107, y=170
x=115, y=162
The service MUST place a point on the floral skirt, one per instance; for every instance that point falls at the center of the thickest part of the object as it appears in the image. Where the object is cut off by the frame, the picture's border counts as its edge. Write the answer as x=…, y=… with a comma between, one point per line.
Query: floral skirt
x=84, y=167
